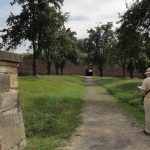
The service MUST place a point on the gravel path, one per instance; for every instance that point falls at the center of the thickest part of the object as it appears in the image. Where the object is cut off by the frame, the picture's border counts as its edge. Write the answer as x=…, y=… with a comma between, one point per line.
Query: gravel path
x=104, y=126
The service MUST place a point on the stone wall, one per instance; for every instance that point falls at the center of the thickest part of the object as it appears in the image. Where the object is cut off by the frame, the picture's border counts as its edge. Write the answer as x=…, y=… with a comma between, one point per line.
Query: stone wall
x=12, y=132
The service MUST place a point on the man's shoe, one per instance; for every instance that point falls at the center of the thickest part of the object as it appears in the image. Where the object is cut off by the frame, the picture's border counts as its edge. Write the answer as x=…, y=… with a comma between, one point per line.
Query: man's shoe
x=146, y=133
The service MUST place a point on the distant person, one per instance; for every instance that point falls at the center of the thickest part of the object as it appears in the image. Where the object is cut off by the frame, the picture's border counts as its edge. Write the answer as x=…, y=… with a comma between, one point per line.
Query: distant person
x=146, y=92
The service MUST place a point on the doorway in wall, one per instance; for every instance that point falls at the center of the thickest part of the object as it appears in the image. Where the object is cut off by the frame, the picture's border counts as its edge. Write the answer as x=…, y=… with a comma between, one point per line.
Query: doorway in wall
x=89, y=71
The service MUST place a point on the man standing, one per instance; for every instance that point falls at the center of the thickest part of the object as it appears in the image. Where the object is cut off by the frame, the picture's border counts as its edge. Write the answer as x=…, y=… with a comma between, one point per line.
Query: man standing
x=146, y=93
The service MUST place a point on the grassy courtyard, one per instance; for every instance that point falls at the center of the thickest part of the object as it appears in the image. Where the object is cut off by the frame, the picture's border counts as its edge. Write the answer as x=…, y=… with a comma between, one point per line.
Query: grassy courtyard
x=50, y=107
x=126, y=94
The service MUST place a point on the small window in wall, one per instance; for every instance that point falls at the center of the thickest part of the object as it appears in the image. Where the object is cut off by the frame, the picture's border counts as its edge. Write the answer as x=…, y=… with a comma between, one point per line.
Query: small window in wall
x=89, y=72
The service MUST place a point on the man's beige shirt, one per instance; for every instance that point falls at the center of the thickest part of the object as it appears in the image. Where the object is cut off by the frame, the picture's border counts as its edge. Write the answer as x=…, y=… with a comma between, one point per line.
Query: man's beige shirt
x=146, y=86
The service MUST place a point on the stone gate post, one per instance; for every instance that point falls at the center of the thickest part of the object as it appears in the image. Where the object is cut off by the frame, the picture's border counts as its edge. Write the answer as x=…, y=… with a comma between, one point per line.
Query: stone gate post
x=12, y=132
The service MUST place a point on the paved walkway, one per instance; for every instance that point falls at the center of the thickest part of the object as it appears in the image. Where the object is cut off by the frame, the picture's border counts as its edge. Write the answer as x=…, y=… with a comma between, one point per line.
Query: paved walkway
x=104, y=126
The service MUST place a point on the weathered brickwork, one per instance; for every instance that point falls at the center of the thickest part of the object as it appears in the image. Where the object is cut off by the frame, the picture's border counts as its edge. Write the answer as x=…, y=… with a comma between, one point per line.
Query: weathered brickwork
x=25, y=68
x=12, y=132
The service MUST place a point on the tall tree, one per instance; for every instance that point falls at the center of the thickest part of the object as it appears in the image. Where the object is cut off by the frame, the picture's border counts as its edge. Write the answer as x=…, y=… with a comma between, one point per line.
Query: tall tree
x=51, y=37
x=99, y=44
x=133, y=35
x=82, y=45
x=35, y=21
x=66, y=49
x=129, y=45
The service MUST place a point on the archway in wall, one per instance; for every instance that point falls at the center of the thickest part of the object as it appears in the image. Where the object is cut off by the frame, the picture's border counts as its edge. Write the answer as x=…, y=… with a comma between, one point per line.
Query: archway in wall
x=89, y=72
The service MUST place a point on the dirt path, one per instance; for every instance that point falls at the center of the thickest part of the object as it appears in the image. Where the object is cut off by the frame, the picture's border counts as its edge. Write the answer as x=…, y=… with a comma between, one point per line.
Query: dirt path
x=104, y=126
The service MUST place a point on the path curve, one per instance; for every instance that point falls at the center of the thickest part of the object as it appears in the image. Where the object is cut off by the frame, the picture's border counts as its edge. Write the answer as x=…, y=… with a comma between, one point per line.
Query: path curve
x=104, y=126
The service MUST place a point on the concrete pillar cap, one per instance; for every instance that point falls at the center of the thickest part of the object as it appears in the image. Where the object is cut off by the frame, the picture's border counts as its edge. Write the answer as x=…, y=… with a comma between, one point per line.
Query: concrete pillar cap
x=10, y=57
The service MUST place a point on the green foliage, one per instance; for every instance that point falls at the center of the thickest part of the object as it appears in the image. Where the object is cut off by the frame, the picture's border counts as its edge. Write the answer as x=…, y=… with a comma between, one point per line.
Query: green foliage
x=51, y=107
x=32, y=23
x=27, y=55
x=126, y=93
x=133, y=38
x=82, y=44
x=99, y=44
x=37, y=22
x=65, y=49
x=129, y=43
x=143, y=63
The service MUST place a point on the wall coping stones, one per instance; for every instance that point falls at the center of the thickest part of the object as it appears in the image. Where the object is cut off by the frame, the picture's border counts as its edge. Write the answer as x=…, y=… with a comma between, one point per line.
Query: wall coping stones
x=10, y=57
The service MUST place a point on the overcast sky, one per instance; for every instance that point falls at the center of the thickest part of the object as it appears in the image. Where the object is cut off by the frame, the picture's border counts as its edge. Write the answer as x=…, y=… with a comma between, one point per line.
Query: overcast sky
x=84, y=14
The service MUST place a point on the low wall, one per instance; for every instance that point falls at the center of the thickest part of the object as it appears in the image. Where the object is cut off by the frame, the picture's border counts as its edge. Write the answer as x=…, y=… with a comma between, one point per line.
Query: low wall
x=12, y=132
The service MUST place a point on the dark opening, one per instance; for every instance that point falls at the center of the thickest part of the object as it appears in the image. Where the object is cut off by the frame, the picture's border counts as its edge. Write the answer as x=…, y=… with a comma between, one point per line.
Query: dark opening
x=89, y=72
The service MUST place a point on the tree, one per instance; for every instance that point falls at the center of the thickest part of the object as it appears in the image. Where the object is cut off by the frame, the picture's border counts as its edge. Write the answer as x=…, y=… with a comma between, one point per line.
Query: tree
x=82, y=44
x=65, y=50
x=100, y=42
x=48, y=54
x=133, y=35
x=36, y=20
x=143, y=62
x=128, y=48
x=52, y=39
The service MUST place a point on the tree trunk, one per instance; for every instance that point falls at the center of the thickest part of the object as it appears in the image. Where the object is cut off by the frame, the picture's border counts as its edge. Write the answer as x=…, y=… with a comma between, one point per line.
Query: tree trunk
x=124, y=72
x=57, y=69
x=57, y=72
x=130, y=68
x=62, y=69
x=101, y=70
x=34, y=64
x=49, y=67
x=131, y=74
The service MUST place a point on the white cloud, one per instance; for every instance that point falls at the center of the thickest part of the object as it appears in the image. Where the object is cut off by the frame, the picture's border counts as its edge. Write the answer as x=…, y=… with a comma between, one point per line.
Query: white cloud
x=95, y=11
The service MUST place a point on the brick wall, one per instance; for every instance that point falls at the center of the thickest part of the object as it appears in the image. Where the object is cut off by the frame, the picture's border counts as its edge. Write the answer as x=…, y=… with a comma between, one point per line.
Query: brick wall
x=25, y=68
x=12, y=132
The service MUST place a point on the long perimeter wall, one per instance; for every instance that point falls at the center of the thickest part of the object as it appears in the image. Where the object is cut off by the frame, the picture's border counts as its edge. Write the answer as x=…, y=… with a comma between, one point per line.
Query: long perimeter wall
x=25, y=68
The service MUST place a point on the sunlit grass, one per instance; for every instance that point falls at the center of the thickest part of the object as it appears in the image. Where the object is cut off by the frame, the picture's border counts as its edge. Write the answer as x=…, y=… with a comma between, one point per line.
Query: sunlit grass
x=126, y=94
x=51, y=107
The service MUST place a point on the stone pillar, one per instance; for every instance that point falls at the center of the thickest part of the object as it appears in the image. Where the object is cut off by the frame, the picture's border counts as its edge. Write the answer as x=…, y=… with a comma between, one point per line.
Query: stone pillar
x=12, y=132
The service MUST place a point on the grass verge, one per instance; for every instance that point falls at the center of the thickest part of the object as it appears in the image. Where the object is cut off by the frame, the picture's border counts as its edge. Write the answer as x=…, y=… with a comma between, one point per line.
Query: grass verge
x=51, y=107
x=126, y=94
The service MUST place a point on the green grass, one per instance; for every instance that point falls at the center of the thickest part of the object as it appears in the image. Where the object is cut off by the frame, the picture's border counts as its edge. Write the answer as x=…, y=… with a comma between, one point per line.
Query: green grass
x=126, y=94
x=51, y=107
